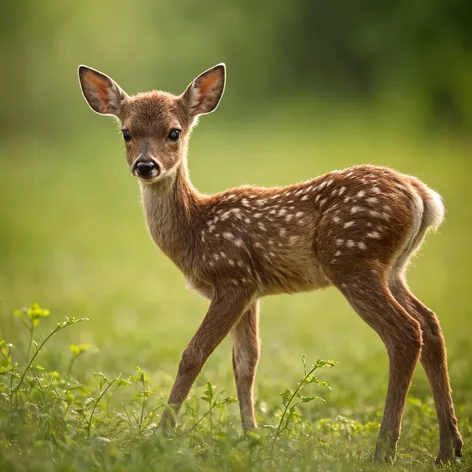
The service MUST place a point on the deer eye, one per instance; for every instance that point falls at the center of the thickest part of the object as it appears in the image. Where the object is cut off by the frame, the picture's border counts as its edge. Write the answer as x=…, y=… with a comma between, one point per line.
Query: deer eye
x=174, y=134
x=126, y=135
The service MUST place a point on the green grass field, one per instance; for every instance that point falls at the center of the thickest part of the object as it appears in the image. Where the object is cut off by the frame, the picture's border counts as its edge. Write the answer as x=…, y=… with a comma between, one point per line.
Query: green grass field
x=73, y=238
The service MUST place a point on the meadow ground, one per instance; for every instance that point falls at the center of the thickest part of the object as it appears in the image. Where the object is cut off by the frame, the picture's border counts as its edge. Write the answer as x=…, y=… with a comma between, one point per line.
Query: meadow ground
x=73, y=239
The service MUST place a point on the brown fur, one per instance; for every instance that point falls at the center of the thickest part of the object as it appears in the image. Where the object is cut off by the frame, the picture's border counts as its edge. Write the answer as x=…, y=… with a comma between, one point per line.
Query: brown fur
x=355, y=229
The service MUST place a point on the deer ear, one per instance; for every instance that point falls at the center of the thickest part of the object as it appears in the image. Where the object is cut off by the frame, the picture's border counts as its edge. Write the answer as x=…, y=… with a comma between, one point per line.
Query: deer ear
x=203, y=95
x=102, y=94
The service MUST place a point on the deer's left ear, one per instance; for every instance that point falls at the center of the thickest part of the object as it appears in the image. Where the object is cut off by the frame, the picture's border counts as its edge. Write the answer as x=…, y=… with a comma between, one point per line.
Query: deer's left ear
x=104, y=95
x=203, y=95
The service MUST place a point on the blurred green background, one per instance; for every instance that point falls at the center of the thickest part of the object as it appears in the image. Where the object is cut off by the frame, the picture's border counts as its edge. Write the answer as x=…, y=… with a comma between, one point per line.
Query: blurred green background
x=312, y=86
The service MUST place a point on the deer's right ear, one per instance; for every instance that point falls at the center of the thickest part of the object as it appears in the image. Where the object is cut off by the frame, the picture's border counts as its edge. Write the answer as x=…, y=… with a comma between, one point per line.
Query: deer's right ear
x=103, y=95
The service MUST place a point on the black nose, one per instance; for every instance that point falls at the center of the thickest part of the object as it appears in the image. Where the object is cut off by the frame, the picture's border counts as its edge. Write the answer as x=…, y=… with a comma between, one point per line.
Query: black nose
x=144, y=169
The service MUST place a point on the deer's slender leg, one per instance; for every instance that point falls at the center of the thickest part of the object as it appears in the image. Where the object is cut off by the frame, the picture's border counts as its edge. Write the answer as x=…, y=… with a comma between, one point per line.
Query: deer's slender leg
x=370, y=296
x=434, y=361
x=246, y=349
x=226, y=308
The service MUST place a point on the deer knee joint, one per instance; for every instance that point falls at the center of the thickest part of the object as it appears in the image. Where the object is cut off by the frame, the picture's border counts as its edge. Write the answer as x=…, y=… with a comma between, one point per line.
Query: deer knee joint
x=191, y=362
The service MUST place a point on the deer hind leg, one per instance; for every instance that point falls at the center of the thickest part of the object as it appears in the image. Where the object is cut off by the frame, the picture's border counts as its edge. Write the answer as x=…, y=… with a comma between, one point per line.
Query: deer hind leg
x=246, y=350
x=434, y=361
x=433, y=354
x=368, y=293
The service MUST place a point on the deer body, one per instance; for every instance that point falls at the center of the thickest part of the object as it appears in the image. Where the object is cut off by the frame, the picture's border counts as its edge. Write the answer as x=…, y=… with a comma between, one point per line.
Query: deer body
x=355, y=229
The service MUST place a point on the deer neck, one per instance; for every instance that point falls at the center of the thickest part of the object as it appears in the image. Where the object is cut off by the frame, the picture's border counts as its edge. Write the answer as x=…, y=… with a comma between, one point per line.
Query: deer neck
x=170, y=207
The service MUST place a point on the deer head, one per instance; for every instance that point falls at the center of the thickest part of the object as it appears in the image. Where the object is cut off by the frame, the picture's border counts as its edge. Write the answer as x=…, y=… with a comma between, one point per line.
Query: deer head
x=156, y=125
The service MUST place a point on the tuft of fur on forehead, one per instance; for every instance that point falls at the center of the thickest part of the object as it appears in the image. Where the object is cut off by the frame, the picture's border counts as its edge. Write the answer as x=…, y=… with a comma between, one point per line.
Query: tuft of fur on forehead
x=151, y=110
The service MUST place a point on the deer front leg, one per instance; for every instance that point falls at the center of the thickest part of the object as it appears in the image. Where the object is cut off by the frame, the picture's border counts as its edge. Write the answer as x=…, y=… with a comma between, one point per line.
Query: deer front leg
x=226, y=308
x=246, y=349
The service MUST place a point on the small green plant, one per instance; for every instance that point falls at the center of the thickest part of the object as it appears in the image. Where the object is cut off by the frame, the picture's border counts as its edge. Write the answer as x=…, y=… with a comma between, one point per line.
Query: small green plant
x=77, y=350
x=292, y=398
x=214, y=401
x=30, y=317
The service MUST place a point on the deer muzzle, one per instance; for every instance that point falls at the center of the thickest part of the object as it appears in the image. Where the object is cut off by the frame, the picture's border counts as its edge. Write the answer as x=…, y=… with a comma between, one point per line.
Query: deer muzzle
x=145, y=169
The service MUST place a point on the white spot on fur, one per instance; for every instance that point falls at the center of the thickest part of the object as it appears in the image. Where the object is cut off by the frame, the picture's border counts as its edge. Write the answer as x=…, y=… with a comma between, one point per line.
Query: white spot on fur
x=350, y=243
x=342, y=190
x=361, y=193
x=372, y=200
x=305, y=197
x=373, y=235
x=348, y=224
x=361, y=245
x=339, y=242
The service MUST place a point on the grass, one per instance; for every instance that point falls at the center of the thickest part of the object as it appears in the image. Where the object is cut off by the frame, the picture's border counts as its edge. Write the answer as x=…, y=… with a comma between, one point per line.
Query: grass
x=73, y=238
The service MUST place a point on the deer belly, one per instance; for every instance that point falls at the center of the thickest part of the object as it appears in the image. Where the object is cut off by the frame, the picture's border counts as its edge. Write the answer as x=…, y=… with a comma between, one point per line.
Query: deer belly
x=292, y=273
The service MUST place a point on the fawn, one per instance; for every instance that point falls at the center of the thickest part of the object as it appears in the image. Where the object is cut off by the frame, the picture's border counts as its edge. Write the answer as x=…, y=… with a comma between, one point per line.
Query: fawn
x=355, y=229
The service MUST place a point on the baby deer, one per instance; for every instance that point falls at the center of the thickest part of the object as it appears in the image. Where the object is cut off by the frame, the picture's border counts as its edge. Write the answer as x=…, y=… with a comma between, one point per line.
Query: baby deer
x=355, y=229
